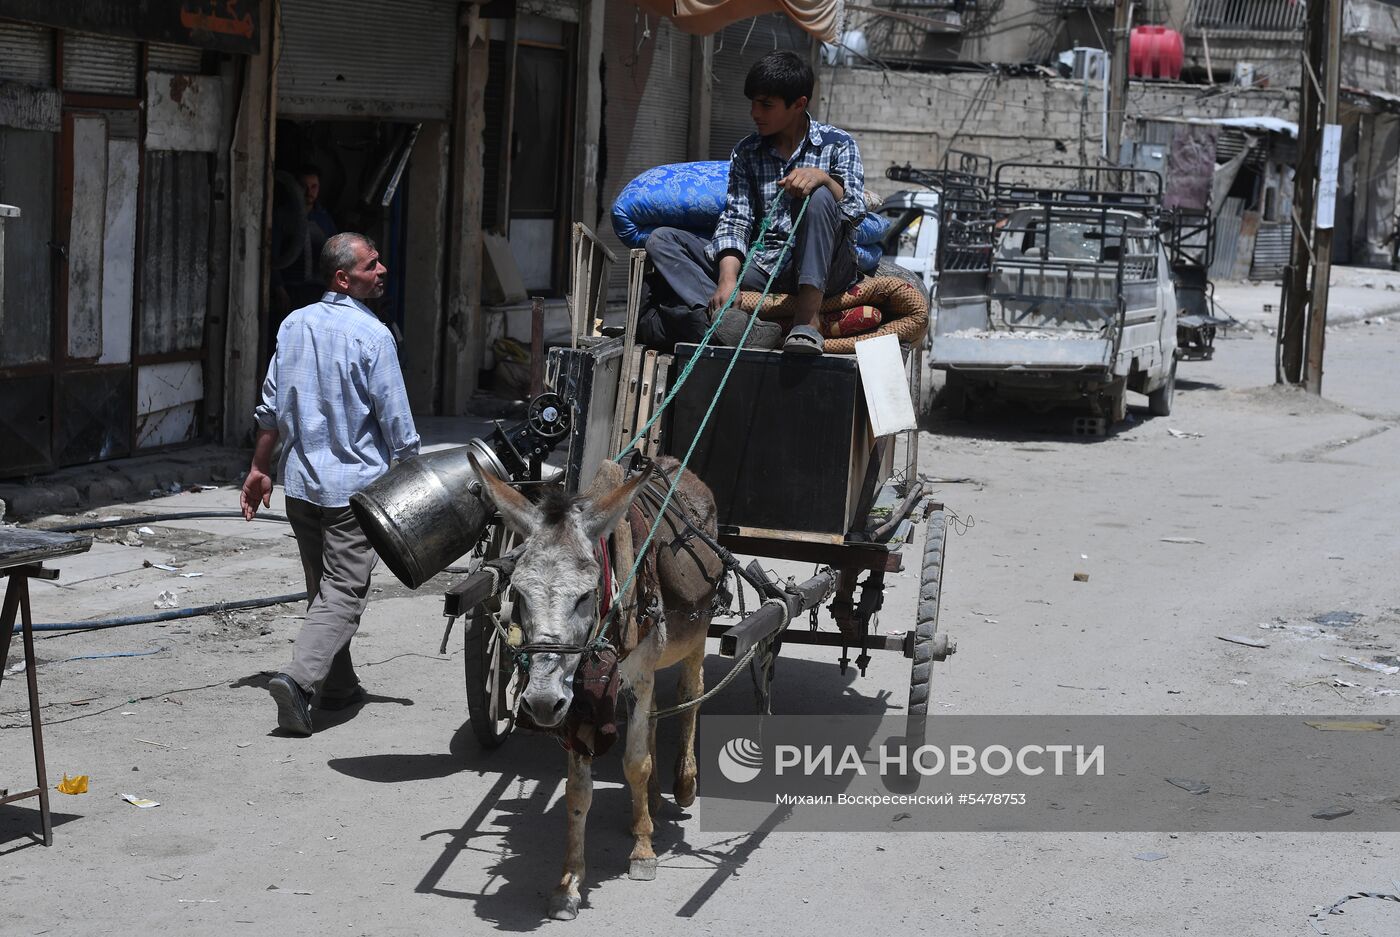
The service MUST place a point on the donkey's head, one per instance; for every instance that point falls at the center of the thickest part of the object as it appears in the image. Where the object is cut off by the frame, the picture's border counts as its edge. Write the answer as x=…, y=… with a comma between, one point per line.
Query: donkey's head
x=556, y=580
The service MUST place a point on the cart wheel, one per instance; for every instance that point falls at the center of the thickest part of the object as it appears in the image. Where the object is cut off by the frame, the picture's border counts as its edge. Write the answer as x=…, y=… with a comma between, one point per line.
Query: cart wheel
x=493, y=683
x=1159, y=402
x=929, y=646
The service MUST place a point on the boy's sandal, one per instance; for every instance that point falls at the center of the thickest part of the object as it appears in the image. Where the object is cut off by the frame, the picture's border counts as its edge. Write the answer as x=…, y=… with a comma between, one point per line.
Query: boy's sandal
x=804, y=340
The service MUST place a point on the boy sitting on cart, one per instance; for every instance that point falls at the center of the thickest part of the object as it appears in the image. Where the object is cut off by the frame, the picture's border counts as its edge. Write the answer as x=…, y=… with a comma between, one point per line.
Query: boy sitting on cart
x=794, y=154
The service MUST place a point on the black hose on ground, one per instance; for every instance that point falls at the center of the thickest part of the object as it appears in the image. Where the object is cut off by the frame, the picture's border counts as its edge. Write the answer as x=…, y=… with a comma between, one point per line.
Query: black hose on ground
x=157, y=518
x=172, y=614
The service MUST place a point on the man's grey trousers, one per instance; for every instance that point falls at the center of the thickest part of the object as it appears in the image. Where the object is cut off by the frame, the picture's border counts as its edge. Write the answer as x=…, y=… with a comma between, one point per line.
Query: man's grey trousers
x=337, y=560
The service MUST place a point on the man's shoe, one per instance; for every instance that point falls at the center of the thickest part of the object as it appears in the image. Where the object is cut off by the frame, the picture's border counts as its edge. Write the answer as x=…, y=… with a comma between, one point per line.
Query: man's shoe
x=293, y=713
x=342, y=700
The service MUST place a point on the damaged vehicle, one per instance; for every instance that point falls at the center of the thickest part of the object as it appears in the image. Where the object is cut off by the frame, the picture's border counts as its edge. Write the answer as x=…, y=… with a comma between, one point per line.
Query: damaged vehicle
x=1058, y=293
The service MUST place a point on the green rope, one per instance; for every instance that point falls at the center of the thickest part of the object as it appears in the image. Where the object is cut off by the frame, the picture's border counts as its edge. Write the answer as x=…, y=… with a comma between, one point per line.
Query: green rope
x=714, y=402
x=705, y=339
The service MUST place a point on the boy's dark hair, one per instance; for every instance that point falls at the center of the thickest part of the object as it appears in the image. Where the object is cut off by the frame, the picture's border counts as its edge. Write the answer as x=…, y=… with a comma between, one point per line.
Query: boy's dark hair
x=780, y=74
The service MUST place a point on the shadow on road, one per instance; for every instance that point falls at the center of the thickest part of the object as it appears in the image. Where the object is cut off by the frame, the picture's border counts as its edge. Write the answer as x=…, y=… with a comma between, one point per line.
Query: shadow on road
x=515, y=824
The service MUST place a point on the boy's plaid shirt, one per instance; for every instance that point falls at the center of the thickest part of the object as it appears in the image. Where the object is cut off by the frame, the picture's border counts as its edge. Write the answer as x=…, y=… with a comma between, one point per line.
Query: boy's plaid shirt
x=754, y=171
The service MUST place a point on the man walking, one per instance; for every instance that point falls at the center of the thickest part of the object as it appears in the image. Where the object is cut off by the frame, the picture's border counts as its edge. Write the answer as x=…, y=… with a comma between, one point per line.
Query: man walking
x=334, y=397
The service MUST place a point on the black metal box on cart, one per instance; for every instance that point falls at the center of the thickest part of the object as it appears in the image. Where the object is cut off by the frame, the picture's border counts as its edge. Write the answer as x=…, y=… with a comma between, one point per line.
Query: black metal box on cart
x=788, y=449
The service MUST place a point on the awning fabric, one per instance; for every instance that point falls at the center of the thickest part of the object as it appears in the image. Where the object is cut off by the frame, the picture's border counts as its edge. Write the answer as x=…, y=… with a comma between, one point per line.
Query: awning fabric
x=821, y=18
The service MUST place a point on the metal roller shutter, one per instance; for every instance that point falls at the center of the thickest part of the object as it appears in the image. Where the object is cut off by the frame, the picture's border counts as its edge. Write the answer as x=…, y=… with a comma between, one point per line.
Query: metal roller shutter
x=161, y=57
x=736, y=49
x=26, y=54
x=647, y=120
x=367, y=58
x=100, y=64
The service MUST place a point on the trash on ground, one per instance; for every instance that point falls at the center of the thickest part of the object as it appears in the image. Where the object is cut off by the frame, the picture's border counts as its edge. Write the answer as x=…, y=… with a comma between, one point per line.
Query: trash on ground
x=1150, y=856
x=1189, y=785
x=190, y=575
x=132, y=540
x=1239, y=683
x=1336, y=906
x=1336, y=619
x=169, y=568
x=1369, y=665
x=1332, y=813
x=142, y=802
x=77, y=784
x=1241, y=639
x=1181, y=540
x=1344, y=725
x=166, y=599
x=1081, y=577
x=16, y=667
x=1185, y=434
x=146, y=531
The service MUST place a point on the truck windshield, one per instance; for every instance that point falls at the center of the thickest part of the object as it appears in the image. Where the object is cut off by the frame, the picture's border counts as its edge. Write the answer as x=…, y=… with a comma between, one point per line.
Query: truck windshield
x=1025, y=236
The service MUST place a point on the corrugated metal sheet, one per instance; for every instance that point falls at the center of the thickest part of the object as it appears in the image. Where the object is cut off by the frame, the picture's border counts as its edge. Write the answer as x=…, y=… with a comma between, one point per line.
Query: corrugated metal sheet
x=1227, y=238
x=175, y=252
x=27, y=180
x=367, y=58
x=1271, y=247
x=26, y=54
x=648, y=110
x=163, y=57
x=100, y=64
x=737, y=47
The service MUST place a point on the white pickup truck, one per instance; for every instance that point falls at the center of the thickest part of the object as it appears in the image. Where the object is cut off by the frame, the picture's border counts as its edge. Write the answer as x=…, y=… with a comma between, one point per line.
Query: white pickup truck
x=1058, y=295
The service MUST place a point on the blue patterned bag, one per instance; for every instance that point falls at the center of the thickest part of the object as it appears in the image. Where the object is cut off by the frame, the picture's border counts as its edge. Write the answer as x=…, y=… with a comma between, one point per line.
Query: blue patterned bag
x=691, y=196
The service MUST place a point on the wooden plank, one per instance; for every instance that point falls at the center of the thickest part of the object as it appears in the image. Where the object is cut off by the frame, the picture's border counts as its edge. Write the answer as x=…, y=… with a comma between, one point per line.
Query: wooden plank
x=631, y=383
x=21, y=546
x=801, y=536
x=660, y=382
x=644, y=399
x=781, y=545
x=622, y=417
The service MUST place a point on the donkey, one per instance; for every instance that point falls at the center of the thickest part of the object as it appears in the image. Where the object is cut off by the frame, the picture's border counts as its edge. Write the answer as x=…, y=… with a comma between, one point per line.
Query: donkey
x=556, y=581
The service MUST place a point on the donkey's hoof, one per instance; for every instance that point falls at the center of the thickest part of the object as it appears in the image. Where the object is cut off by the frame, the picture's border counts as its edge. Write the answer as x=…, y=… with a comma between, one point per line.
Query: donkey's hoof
x=642, y=870
x=563, y=907
x=684, y=792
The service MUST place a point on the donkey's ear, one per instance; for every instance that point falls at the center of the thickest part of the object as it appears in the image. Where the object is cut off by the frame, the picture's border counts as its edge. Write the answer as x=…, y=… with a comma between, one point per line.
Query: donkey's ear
x=519, y=514
x=601, y=515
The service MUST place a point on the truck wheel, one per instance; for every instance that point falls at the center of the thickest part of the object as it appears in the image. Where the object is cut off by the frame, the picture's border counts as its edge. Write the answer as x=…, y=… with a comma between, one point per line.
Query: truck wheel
x=1117, y=399
x=953, y=397
x=1159, y=402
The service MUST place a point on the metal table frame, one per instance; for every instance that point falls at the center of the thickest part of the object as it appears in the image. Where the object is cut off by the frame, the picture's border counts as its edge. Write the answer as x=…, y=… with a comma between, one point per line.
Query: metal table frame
x=21, y=556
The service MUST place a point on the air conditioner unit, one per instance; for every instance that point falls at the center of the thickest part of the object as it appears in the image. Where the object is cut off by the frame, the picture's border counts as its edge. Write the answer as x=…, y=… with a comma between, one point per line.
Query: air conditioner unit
x=1089, y=64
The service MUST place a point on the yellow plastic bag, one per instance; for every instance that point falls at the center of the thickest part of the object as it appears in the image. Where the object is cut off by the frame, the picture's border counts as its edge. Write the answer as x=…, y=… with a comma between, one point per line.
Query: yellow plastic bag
x=77, y=784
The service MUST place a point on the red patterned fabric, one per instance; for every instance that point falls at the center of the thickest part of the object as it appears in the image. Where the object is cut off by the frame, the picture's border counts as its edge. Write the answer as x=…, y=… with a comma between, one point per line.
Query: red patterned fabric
x=849, y=321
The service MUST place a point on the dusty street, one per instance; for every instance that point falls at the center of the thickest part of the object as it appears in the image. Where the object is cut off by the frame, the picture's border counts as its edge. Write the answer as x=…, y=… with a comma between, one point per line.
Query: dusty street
x=391, y=820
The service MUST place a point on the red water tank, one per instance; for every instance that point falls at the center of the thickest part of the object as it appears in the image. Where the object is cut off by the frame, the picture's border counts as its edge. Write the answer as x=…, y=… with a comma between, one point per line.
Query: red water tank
x=1155, y=52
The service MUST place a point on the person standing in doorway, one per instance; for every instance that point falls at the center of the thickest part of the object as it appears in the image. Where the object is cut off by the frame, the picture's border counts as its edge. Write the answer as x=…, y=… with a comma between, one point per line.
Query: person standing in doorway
x=335, y=398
